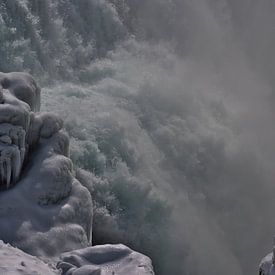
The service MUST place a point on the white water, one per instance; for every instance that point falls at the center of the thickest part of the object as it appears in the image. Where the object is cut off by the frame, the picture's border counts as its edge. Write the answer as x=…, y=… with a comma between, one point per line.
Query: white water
x=170, y=105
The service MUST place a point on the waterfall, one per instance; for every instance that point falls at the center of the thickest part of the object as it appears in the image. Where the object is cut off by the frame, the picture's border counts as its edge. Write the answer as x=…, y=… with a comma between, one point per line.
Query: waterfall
x=169, y=106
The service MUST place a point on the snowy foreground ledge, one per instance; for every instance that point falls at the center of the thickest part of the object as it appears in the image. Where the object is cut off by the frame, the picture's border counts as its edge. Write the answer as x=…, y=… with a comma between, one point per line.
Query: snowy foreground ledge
x=44, y=210
x=14, y=261
x=105, y=259
x=267, y=265
x=97, y=260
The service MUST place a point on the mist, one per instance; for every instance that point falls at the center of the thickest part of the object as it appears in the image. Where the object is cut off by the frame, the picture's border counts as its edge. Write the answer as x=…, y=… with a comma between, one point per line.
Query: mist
x=169, y=107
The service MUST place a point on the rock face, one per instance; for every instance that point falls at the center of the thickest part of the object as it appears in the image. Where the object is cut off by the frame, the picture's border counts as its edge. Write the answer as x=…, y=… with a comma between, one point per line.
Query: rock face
x=47, y=211
x=105, y=260
x=15, y=262
x=267, y=265
x=97, y=260
x=44, y=209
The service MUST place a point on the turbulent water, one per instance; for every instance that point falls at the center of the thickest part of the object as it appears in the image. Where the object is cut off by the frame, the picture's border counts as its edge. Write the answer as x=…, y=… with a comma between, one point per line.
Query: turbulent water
x=169, y=105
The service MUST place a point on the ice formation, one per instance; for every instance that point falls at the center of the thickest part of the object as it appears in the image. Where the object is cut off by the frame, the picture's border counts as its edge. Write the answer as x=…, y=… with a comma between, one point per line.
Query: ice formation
x=96, y=260
x=175, y=95
x=104, y=260
x=19, y=97
x=44, y=209
x=49, y=211
x=13, y=261
x=267, y=265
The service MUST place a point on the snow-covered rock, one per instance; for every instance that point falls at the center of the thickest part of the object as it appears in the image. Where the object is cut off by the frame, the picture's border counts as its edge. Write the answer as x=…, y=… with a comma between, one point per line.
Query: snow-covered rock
x=44, y=209
x=96, y=260
x=105, y=260
x=47, y=211
x=22, y=86
x=267, y=265
x=13, y=261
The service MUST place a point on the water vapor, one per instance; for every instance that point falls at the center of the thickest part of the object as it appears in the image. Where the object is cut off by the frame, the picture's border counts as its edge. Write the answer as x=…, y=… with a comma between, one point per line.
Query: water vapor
x=169, y=106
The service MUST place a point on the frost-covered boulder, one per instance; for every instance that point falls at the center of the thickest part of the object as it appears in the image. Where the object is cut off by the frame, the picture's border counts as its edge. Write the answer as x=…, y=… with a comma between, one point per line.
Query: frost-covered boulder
x=267, y=265
x=105, y=260
x=14, y=261
x=97, y=260
x=19, y=127
x=44, y=210
x=22, y=86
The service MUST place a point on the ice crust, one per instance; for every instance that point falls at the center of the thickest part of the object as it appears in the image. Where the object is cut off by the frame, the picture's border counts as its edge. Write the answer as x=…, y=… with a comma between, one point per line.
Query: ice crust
x=13, y=261
x=266, y=266
x=48, y=211
x=44, y=209
x=97, y=260
x=23, y=87
x=105, y=260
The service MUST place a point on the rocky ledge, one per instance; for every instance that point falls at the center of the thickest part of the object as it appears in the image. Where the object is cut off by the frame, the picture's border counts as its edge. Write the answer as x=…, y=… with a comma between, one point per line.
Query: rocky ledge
x=45, y=211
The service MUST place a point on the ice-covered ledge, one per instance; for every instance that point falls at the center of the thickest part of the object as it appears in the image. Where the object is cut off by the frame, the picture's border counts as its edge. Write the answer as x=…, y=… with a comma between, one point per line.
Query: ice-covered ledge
x=97, y=260
x=44, y=209
x=105, y=260
x=267, y=265
x=14, y=261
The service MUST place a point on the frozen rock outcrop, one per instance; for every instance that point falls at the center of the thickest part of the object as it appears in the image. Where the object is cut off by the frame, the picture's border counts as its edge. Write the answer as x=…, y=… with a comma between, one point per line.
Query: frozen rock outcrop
x=48, y=211
x=19, y=98
x=44, y=209
x=267, y=265
x=105, y=260
x=97, y=260
x=14, y=261
x=23, y=87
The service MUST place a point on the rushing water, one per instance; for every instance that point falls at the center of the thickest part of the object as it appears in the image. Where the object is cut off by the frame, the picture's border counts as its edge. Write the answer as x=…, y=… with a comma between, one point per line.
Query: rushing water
x=169, y=105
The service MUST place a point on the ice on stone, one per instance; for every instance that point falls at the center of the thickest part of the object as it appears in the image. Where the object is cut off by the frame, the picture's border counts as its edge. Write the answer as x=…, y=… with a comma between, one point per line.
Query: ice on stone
x=13, y=261
x=48, y=211
x=105, y=260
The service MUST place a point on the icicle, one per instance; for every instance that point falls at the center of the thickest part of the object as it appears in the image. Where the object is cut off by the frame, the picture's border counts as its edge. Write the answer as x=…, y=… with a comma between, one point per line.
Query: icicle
x=1, y=96
x=22, y=145
x=16, y=165
x=8, y=172
x=27, y=122
x=22, y=156
x=22, y=139
x=14, y=135
x=2, y=171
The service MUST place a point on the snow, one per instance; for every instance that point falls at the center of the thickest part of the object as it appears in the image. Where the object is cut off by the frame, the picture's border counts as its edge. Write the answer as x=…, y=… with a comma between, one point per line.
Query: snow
x=44, y=209
x=23, y=87
x=48, y=211
x=15, y=262
x=12, y=148
x=97, y=260
x=267, y=265
x=105, y=260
